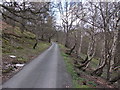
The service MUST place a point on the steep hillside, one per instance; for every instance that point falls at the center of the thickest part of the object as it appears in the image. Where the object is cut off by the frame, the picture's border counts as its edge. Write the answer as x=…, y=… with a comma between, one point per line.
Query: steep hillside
x=17, y=49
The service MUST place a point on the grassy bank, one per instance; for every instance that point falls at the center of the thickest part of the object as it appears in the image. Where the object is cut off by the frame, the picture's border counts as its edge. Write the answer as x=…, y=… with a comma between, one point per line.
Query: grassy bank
x=77, y=80
x=20, y=45
x=70, y=68
x=80, y=78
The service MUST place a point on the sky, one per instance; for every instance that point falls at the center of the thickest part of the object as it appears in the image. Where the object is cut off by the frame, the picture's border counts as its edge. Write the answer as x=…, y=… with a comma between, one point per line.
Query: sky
x=58, y=18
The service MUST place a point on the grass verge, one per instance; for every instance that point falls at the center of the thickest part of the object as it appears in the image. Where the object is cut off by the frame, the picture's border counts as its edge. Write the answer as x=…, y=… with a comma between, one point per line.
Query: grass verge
x=76, y=80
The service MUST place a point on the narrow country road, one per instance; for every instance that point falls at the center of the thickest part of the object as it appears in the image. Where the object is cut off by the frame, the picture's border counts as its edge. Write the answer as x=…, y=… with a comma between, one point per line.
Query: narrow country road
x=46, y=71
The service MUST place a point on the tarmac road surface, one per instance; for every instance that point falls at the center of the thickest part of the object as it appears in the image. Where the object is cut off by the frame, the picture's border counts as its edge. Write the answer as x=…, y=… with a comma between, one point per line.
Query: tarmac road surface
x=48, y=70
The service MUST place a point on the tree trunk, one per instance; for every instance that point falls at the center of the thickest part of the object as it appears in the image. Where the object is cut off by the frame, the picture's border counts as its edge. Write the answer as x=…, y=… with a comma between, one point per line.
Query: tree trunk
x=108, y=66
x=85, y=59
x=87, y=65
x=42, y=37
x=80, y=45
x=99, y=70
x=72, y=49
x=117, y=54
x=100, y=62
x=107, y=53
x=49, y=39
x=35, y=45
x=90, y=54
x=113, y=49
x=84, y=65
x=66, y=41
